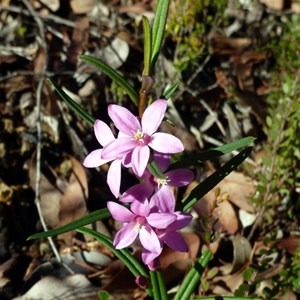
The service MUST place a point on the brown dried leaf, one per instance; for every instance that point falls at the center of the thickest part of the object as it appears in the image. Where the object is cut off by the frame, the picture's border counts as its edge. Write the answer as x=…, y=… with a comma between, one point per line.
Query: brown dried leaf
x=65, y=202
x=49, y=196
x=232, y=281
x=39, y=61
x=290, y=244
x=73, y=287
x=72, y=204
x=241, y=254
x=82, y=6
x=170, y=256
x=80, y=37
x=239, y=187
x=226, y=218
x=274, y=4
x=175, y=264
x=224, y=45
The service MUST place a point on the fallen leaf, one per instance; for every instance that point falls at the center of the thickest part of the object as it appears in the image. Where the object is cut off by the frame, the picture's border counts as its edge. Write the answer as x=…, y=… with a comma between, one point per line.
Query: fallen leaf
x=49, y=196
x=239, y=187
x=274, y=4
x=73, y=287
x=226, y=218
x=72, y=204
x=82, y=6
x=237, y=248
x=175, y=264
x=290, y=244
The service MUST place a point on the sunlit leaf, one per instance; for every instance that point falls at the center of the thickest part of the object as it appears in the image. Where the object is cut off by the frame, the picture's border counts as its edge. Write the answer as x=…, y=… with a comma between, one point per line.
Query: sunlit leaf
x=210, y=182
x=114, y=75
x=88, y=219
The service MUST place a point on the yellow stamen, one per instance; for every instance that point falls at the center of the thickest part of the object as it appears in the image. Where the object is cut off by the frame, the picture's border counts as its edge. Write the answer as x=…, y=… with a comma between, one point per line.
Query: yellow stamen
x=139, y=136
x=162, y=181
x=138, y=227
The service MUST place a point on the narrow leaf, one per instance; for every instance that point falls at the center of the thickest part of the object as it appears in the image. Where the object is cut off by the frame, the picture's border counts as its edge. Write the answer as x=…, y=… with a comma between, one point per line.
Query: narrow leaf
x=158, y=29
x=114, y=75
x=103, y=295
x=210, y=154
x=155, y=286
x=87, y=219
x=167, y=94
x=227, y=298
x=147, y=46
x=155, y=170
x=192, y=278
x=131, y=262
x=72, y=104
x=210, y=182
x=162, y=285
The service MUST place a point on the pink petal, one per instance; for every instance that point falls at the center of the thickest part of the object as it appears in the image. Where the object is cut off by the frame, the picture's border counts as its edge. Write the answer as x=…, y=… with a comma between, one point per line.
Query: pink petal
x=114, y=177
x=103, y=133
x=118, y=148
x=141, y=208
x=139, y=160
x=142, y=281
x=126, y=160
x=125, y=236
x=149, y=239
x=175, y=241
x=180, y=177
x=94, y=159
x=166, y=143
x=162, y=160
x=164, y=200
x=183, y=220
x=148, y=257
x=123, y=119
x=137, y=192
x=160, y=220
x=153, y=116
x=119, y=212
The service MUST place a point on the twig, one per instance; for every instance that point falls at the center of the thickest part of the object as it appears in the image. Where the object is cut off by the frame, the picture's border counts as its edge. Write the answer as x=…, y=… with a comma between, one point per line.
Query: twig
x=38, y=125
x=37, y=74
x=50, y=17
x=270, y=175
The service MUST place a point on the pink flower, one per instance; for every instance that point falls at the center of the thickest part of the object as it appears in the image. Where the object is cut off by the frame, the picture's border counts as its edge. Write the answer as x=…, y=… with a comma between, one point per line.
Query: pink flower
x=155, y=222
x=150, y=184
x=164, y=201
x=104, y=136
x=137, y=137
x=139, y=221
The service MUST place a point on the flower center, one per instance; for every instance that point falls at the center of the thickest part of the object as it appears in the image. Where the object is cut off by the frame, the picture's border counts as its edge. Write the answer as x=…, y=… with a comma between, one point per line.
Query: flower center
x=140, y=222
x=162, y=181
x=139, y=136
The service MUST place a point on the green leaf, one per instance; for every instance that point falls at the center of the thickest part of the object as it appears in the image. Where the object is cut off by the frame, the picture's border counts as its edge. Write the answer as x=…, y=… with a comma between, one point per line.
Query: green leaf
x=167, y=94
x=159, y=285
x=87, y=219
x=210, y=154
x=134, y=266
x=72, y=104
x=147, y=46
x=158, y=29
x=155, y=170
x=227, y=298
x=192, y=278
x=103, y=295
x=155, y=286
x=210, y=182
x=114, y=75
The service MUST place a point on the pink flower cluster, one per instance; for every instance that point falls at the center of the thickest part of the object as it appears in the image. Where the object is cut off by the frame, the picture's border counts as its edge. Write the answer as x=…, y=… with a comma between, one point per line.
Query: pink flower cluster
x=152, y=216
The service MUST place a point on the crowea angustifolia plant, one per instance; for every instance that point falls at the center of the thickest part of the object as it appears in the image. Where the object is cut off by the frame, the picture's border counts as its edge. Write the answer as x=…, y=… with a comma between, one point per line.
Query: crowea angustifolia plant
x=148, y=210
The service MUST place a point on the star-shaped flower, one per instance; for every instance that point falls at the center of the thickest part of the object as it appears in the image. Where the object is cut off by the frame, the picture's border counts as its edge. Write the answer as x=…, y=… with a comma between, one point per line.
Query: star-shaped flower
x=137, y=137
